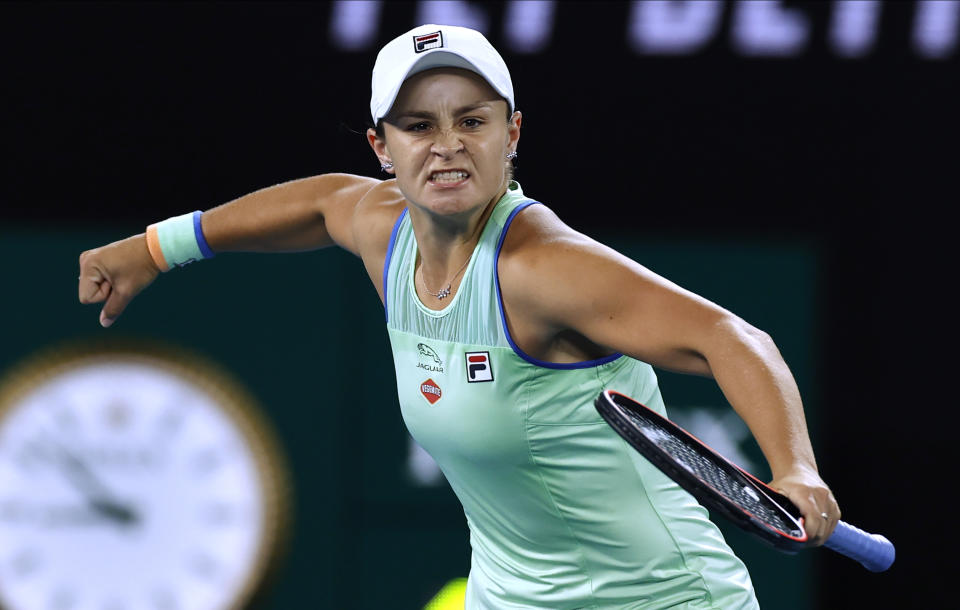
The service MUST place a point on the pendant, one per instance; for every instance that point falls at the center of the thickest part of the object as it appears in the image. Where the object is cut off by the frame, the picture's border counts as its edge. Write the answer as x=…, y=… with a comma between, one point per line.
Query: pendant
x=444, y=293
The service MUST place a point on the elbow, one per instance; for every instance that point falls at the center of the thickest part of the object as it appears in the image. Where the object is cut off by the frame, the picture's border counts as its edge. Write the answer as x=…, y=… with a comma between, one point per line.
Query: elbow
x=726, y=341
x=755, y=334
x=755, y=345
x=735, y=331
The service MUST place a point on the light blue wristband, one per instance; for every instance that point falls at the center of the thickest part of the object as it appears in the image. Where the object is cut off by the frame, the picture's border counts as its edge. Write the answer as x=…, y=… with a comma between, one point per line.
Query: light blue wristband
x=180, y=241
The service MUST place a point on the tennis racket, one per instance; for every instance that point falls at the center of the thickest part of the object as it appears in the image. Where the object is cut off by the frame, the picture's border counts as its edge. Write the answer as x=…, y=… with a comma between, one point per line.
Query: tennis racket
x=725, y=488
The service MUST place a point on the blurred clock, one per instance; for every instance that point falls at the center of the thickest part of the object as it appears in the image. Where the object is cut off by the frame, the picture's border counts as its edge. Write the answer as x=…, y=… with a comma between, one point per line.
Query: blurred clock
x=135, y=479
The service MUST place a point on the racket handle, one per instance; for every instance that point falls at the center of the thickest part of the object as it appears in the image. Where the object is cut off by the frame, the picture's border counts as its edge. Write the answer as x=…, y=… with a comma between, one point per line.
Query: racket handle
x=875, y=552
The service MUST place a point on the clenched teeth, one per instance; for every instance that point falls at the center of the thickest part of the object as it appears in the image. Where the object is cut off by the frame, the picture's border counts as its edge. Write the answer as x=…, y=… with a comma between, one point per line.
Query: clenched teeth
x=450, y=176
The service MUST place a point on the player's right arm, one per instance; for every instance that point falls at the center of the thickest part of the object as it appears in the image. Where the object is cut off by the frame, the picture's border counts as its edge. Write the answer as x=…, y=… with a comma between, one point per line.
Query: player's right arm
x=300, y=215
x=294, y=216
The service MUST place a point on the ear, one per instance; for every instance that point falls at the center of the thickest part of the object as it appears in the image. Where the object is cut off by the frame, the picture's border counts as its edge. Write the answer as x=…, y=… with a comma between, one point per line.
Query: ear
x=379, y=146
x=513, y=130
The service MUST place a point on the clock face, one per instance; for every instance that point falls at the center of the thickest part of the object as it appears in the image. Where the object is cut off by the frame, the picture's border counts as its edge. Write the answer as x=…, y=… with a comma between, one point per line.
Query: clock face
x=132, y=482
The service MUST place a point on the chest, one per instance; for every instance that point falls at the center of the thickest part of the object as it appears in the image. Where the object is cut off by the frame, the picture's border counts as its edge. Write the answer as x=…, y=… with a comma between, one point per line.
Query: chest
x=460, y=399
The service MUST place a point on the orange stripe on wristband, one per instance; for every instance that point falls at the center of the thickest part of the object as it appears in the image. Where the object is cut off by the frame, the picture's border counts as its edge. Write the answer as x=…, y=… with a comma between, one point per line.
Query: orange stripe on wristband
x=153, y=246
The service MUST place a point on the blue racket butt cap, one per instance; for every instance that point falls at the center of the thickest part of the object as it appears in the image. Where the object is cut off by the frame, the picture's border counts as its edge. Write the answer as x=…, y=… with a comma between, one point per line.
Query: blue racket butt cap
x=873, y=551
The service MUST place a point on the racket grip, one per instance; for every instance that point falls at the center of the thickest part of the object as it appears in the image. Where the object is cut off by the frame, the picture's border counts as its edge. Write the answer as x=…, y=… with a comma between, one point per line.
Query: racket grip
x=875, y=552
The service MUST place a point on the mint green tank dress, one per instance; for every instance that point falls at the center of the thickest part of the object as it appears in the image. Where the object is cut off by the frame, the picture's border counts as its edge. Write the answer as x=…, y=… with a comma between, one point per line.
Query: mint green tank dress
x=562, y=512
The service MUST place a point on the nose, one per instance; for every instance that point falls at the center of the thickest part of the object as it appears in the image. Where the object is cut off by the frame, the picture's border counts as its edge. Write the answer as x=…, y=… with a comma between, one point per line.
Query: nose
x=447, y=143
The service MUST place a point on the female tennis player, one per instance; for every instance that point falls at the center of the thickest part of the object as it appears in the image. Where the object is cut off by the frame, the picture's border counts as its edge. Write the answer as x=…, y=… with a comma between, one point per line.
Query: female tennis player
x=505, y=325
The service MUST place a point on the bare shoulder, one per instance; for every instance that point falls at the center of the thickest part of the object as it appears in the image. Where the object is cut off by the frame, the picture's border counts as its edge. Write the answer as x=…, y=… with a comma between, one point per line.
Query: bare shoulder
x=555, y=277
x=539, y=243
x=543, y=256
x=539, y=266
x=556, y=281
x=376, y=214
x=550, y=279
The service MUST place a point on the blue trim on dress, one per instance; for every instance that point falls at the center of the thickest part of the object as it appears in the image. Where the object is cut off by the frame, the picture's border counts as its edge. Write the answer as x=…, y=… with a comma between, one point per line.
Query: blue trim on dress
x=386, y=263
x=503, y=318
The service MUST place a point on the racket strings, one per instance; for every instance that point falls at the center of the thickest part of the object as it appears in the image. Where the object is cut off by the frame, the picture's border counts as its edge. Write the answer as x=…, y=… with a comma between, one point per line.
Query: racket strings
x=723, y=481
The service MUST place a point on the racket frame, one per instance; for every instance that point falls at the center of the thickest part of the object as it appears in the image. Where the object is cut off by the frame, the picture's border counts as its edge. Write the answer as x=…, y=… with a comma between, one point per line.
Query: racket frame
x=609, y=404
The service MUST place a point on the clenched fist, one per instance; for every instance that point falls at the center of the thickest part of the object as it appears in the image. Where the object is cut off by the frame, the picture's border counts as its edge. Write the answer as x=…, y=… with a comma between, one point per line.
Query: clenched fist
x=114, y=274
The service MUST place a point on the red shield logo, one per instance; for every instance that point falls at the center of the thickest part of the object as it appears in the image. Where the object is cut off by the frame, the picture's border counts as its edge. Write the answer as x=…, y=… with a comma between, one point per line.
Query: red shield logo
x=431, y=391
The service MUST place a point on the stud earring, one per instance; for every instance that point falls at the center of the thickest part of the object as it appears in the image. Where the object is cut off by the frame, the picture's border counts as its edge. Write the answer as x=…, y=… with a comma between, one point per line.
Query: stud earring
x=512, y=155
x=386, y=166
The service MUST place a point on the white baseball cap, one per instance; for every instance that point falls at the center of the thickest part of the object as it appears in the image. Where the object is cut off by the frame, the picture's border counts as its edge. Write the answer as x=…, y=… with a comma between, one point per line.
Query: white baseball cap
x=435, y=46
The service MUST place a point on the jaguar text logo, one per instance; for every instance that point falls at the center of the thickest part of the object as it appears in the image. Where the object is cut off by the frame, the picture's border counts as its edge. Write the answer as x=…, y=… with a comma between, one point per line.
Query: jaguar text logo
x=429, y=360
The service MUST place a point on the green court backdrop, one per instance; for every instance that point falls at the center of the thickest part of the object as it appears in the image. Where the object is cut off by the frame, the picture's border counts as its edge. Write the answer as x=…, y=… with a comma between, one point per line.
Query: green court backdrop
x=304, y=333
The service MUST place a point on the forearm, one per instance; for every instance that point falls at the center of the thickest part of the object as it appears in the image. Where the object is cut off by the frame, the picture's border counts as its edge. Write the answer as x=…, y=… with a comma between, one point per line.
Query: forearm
x=299, y=215
x=757, y=382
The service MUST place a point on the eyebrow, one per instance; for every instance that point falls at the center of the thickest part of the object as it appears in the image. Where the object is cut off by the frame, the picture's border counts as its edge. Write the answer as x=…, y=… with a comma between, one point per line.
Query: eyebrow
x=424, y=114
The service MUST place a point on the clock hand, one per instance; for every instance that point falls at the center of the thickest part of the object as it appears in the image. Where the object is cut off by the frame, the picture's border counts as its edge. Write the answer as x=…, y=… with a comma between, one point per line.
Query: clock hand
x=59, y=516
x=98, y=497
x=120, y=513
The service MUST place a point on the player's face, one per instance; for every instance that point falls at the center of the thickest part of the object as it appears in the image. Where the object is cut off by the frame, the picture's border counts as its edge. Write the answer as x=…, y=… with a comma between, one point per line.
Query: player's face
x=447, y=137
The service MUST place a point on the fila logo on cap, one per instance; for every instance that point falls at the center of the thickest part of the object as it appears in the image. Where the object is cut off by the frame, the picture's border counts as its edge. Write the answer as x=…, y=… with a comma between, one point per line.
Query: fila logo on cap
x=479, y=367
x=427, y=42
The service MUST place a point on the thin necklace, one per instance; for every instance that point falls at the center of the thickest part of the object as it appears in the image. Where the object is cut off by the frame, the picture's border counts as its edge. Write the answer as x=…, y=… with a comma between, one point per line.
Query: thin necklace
x=444, y=293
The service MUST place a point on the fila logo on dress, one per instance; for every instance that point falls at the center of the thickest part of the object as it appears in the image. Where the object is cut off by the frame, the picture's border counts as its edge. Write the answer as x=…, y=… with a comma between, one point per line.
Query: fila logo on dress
x=479, y=367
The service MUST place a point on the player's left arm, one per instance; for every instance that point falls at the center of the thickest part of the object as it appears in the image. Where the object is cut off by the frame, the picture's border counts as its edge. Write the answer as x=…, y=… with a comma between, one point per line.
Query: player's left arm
x=569, y=282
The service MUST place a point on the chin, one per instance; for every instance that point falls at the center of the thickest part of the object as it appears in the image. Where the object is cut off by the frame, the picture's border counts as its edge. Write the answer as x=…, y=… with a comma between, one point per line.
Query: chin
x=452, y=201
x=452, y=205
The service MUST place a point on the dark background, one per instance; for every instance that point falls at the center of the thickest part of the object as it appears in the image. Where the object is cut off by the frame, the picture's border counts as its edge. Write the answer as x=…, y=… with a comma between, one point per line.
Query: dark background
x=117, y=115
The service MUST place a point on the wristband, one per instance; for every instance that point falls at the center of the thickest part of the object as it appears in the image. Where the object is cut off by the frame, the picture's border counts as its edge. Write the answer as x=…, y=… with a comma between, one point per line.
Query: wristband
x=177, y=241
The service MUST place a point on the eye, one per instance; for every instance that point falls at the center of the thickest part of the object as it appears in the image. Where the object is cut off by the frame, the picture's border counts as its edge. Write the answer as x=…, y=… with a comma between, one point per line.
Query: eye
x=418, y=127
x=472, y=123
